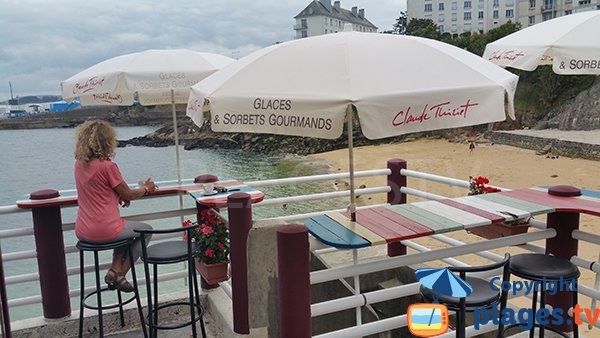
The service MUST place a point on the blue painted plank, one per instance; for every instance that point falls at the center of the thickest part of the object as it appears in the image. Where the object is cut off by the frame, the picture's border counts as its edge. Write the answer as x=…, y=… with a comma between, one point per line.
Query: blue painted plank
x=332, y=233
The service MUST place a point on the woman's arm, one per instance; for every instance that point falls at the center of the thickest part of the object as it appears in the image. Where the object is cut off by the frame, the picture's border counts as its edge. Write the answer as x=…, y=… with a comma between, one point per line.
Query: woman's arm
x=127, y=194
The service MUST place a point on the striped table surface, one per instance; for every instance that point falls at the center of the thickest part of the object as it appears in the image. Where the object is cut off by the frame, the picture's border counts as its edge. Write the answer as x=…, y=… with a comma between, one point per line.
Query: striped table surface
x=389, y=224
x=219, y=200
x=69, y=197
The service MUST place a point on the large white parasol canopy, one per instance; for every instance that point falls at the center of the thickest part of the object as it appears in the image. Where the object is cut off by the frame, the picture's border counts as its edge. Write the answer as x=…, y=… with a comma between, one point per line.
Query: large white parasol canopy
x=397, y=84
x=571, y=44
x=154, y=76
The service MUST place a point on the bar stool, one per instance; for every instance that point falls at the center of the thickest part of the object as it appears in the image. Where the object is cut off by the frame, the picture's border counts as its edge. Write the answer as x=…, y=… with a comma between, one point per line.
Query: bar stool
x=482, y=295
x=84, y=246
x=545, y=268
x=169, y=252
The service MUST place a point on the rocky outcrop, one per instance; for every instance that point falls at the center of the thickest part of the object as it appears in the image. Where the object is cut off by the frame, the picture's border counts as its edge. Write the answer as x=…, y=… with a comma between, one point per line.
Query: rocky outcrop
x=581, y=113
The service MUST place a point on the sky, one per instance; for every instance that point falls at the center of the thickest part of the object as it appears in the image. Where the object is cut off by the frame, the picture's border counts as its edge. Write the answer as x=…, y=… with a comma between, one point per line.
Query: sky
x=43, y=42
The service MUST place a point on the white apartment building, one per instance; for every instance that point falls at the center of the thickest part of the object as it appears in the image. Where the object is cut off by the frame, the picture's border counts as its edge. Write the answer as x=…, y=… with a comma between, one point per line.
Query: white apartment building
x=320, y=17
x=536, y=11
x=460, y=16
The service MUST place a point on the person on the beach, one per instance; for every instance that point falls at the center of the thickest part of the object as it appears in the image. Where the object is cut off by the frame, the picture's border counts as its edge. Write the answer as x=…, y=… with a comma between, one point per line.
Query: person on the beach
x=100, y=191
x=471, y=147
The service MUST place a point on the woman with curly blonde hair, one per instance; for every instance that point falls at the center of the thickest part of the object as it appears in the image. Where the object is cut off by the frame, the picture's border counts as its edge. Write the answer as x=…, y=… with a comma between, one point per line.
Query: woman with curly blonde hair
x=100, y=191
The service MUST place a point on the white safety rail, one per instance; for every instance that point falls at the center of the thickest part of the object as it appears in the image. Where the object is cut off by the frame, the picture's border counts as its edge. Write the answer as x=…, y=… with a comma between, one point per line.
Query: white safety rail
x=360, y=264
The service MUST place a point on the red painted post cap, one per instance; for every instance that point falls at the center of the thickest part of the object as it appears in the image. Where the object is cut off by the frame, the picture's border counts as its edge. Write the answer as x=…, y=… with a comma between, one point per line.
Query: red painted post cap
x=44, y=194
x=292, y=229
x=564, y=190
x=205, y=178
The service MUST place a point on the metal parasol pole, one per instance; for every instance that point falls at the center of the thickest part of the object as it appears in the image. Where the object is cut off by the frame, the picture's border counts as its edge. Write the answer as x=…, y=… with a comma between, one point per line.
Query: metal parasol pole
x=352, y=207
x=176, y=148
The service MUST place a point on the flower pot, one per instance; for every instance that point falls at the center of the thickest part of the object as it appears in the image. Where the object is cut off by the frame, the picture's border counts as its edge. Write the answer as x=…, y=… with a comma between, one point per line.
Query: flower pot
x=498, y=230
x=213, y=273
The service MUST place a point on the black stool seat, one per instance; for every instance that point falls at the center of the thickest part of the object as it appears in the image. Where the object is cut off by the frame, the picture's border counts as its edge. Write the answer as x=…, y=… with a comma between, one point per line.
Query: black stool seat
x=545, y=268
x=95, y=247
x=482, y=295
x=167, y=252
x=538, y=266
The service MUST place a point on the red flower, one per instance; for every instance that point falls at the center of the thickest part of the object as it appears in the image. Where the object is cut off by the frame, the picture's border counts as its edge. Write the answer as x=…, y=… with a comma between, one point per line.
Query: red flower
x=209, y=253
x=207, y=230
x=211, y=237
x=220, y=245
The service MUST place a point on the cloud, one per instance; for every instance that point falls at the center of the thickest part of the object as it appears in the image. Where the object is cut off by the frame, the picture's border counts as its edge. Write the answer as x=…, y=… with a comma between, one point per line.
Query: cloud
x=47, y=41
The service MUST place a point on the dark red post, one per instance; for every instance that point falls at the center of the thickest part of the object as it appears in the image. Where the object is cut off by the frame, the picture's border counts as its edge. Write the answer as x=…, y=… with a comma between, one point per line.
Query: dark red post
x=563, y=245
x=395, y=181
x=240, y=222
x=4, y=301
x=52, y=266
x=294, y=282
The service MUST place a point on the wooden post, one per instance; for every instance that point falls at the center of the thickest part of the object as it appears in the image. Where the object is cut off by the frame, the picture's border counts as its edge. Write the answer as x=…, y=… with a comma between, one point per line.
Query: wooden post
x=396, y=181
x=240, y=222
x=294, y=282
x=52, y=266
x=563, y=245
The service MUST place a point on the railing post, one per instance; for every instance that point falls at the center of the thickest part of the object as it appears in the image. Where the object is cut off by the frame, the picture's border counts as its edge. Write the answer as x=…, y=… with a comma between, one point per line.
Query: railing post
x=52, y=266
x=7, y=333
x=294, y=281
x=563, y=245
x=395, y=181
x=240, y=222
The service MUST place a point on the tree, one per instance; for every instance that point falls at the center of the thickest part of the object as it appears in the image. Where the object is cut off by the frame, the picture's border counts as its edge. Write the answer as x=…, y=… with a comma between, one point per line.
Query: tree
x=400, y=26
x=424, y=28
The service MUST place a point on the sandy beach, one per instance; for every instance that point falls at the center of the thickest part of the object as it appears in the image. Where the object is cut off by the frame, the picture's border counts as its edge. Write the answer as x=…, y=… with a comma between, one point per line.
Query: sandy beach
x=505, y=166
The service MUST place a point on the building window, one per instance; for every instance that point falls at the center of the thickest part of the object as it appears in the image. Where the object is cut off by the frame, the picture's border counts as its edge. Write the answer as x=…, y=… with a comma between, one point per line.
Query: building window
x=467, y=5
x=495, y=15
x=584, y=2
x=568, y=11
x=547, y=16
x=303, y=23
x=428, y=7
x=304, y=34
x=325, y=21
x=531, y=4
x=325, y=30
x=441, y=18
x=467, y=16
x=441, y=6
x=510, y=13
x=496, y=3
x=454, y=5
x=330, y=22
x=453, y=16
x=454, y=29
x=441, y=28
x=480, y=15
x=531, y=20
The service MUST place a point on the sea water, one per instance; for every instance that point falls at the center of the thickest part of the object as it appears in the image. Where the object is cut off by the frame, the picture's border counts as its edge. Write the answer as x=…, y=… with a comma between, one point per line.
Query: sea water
x=34, y=159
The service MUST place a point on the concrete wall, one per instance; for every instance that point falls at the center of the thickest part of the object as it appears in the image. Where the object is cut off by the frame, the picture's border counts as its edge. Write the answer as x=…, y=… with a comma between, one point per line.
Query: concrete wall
x=559, y=147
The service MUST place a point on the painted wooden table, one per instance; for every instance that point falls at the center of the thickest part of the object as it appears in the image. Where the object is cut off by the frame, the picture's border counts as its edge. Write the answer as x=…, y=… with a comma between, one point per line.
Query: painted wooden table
x=219, y=199
x=187, y=186
x=394, y=223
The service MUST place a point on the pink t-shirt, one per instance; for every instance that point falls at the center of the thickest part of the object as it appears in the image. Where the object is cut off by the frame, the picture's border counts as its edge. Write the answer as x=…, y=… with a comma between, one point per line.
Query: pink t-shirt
x=98, y=217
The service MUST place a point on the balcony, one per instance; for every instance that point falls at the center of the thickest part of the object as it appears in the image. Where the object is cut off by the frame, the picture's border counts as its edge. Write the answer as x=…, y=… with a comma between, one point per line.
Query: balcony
x=300, y=26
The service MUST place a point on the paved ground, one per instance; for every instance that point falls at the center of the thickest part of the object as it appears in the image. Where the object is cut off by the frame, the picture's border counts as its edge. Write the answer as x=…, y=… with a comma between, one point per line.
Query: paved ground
x=186, y=332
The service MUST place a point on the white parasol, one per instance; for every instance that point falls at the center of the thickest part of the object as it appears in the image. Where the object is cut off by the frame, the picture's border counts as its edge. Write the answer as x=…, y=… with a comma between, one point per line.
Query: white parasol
x=571, y=44
x=397, y=84
x=155, y=76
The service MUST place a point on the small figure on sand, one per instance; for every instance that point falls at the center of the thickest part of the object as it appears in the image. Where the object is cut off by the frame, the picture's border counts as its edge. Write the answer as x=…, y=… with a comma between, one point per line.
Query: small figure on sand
x=471, y=146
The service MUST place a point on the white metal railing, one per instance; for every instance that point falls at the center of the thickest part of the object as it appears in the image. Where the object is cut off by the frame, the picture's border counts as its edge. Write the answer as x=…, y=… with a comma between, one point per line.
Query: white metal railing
x=358, y=267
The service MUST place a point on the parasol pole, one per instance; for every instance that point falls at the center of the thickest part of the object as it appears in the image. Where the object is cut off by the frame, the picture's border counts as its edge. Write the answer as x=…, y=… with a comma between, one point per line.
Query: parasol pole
x=176, y=135
x=352, y=207
x=176, y=148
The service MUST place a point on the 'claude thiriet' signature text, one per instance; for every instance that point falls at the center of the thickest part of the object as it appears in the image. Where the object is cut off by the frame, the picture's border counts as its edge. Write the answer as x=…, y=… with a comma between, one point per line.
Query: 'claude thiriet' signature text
x=440, y=110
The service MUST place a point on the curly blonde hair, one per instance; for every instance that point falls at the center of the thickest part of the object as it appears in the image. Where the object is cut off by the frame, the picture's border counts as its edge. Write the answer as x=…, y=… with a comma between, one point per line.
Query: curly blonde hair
x=95, y=139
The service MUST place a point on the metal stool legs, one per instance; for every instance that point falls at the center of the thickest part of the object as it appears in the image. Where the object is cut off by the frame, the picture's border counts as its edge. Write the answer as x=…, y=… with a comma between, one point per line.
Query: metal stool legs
x=99, y=289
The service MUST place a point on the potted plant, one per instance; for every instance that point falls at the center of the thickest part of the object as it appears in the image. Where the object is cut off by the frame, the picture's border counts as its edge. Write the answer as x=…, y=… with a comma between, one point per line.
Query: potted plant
x=479, y=185
x=212, y=246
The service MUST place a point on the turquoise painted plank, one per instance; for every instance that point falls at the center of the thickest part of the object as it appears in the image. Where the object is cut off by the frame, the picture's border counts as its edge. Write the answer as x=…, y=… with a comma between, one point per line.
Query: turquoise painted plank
x=532, y=208
x=332, y=233
x=428, y=219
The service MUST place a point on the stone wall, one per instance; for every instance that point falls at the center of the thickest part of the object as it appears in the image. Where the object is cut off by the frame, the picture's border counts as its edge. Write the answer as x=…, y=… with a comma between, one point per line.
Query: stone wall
x=559, y=147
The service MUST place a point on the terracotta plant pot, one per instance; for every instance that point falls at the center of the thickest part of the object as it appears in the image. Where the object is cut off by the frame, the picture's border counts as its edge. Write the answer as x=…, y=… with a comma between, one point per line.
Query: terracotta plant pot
x=213, y=273
x=499, y=230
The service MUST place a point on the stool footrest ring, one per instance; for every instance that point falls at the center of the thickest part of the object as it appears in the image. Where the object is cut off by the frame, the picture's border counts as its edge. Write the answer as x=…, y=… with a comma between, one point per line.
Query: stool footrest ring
x=563, y=334
x=178, y=325
x=105, y=307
